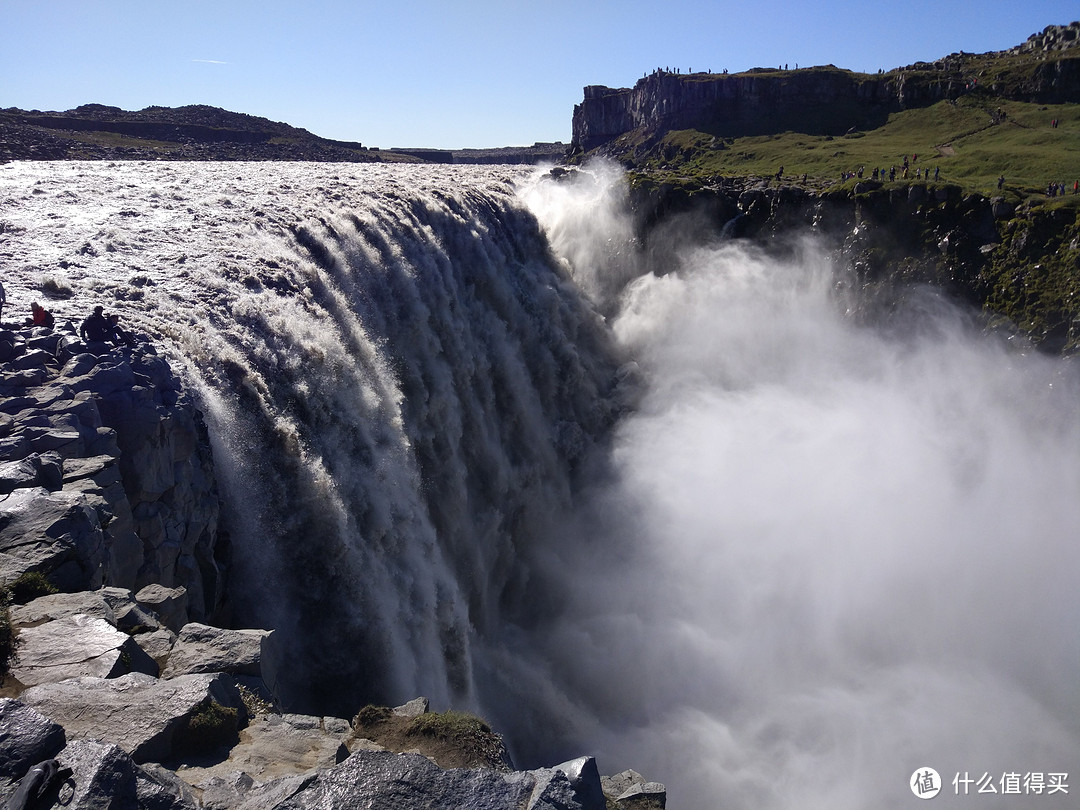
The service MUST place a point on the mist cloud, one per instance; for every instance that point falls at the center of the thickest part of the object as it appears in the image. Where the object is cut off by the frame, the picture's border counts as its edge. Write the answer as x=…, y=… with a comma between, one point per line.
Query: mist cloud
x=830, y=553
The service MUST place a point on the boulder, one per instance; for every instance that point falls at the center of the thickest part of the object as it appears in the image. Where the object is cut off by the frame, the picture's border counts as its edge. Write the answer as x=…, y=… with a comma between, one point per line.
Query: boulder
x=145, y=716
x=170, y=604
x=130, y=616
x=380, y=780
x=75, y=646
x=43, y=470
x=584, y=778
x=158, y=788
x=238, y=791
x=631, y=791
x=60, y=606
x=414, y=708
x=201, y=648
x=104, y=777
x=272, y=747
x=157, y=644
x=55, y=533
x=26, y=738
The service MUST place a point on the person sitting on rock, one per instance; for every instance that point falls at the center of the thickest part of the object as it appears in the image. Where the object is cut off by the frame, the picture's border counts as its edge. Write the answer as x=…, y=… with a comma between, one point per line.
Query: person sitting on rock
x=95, y=329
x=116, y=333
x=40, y=316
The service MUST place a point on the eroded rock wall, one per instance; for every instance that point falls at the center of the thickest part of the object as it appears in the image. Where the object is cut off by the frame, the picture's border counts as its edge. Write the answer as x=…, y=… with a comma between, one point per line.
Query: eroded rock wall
x=106, y=475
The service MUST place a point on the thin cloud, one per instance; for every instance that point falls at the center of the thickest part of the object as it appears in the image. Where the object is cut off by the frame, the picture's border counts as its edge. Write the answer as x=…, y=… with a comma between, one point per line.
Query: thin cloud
x=210, y=61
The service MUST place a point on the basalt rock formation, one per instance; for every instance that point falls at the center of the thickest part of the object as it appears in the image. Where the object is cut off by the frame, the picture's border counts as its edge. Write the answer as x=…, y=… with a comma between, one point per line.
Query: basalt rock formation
x=825, y=100
x=105, y=470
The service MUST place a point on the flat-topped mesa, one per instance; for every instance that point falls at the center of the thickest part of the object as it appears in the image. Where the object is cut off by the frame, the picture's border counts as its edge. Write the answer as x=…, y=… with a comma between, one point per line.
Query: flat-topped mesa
x=825, y=100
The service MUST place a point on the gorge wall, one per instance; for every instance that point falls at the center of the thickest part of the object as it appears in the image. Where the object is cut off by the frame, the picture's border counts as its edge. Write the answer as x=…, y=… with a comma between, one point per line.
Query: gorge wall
x=825, y=100
x=1016, y=264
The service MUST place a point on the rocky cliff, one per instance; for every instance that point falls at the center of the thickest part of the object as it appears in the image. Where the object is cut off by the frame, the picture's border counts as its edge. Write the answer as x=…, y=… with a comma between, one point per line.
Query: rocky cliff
x=103, y=454
x=825, y=100
x=1018, y=264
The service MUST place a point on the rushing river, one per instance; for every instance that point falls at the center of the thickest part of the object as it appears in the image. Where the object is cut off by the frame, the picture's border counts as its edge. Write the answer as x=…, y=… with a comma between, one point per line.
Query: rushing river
x=673, y=507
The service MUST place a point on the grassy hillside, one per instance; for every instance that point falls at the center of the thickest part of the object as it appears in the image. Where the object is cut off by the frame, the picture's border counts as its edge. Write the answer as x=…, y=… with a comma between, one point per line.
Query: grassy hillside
x=968, y=141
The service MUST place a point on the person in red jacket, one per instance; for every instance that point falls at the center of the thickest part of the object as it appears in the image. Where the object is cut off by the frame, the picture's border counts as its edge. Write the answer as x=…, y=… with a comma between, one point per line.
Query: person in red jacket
x=40, y=316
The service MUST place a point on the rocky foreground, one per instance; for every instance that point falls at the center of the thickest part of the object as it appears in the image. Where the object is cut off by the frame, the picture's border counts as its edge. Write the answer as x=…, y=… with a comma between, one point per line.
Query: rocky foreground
x=120, y=694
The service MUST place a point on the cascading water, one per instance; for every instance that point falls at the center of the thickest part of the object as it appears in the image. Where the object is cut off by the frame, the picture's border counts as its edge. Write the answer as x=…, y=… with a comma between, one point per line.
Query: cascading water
x=814, y=556
x=398, y=378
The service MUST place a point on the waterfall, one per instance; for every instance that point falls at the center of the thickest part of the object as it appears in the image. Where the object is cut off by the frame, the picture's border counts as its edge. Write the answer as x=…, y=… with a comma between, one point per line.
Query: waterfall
x=399, y=380
x=669, y=504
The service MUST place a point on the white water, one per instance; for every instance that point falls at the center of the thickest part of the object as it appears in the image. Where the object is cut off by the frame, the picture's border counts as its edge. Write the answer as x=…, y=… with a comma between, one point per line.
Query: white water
x=814, y=557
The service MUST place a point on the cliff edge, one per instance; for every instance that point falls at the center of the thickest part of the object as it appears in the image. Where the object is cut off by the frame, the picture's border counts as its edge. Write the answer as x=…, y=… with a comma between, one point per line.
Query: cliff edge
x=826, y=100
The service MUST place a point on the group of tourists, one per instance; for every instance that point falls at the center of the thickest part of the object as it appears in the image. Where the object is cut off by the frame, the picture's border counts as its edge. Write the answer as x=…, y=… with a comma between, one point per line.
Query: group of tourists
x=96, y=328
x=905, y=172
x=101, y=328
x=1059, y=189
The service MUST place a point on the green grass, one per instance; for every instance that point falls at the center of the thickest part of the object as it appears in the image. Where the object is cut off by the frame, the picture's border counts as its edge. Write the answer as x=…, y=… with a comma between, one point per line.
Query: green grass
x=958, y=138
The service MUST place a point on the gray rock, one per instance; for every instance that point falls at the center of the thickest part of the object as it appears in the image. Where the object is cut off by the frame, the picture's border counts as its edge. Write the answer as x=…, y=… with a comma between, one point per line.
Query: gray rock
x=225, y=792
x=157, y=644
x=36, y=470
x=238, y=791
x=141, y=714
x=55, y=533
x=103, y=776
x=26, y=738
x=75, y=646
x=630, y=790
x=646, y=796
x=372, y=780
x=170, y=604
x=338, y=726
x=617, y=785
x=584, y=778
x=201, y=648
x=271, y=747
x=129, y=615
x=414, y=708
x=60, y=606
x=158, y=788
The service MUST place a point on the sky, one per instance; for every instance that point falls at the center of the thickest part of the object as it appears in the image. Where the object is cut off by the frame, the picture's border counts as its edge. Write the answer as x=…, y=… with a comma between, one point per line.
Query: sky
x=455, y=74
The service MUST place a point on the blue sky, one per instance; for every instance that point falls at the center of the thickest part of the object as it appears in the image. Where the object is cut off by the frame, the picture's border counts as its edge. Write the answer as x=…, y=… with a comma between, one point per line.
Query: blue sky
x=455, y=74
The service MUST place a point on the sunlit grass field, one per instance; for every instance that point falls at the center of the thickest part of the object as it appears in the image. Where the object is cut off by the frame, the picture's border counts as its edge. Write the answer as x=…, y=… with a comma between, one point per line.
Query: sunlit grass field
x=971, y=142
